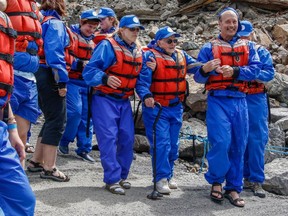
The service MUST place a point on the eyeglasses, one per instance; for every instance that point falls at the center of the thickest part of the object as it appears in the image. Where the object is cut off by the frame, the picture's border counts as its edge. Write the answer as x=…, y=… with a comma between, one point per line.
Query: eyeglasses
x=170, y=41
x=134, y=29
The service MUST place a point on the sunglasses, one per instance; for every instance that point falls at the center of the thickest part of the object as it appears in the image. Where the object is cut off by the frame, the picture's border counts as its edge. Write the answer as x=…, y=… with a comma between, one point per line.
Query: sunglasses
x=134, y=29
x=170, y=41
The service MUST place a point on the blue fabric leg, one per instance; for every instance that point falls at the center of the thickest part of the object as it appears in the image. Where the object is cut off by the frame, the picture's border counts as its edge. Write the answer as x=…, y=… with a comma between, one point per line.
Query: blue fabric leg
x=106, y=117
x=163, y=145
x=74, y=110
x=257, y=138
x=16, y=195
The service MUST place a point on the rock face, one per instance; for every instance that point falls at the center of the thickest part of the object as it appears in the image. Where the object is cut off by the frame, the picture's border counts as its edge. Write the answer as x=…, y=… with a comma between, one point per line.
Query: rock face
x=276, y=174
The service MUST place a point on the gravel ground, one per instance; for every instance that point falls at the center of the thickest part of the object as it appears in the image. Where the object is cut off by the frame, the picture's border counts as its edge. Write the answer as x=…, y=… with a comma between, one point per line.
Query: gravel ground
x=85, y=195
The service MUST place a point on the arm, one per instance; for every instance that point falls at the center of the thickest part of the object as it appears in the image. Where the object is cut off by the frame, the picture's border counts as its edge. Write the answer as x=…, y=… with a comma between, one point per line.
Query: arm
x=14, y=136
x=102, y=58
x=252, y=70
x=267, y=70
x=209, y=64
x=55, y=40
x=144, y=81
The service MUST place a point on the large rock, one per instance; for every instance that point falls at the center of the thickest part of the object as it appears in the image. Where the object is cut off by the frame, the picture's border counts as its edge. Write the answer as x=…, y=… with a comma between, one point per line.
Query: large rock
x=192, y=129
x=276, y=174
x=280, y=33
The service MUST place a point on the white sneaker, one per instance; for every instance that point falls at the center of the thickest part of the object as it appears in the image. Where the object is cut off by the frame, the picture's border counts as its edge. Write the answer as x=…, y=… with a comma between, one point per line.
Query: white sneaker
x=172, y=184
x=162, y=186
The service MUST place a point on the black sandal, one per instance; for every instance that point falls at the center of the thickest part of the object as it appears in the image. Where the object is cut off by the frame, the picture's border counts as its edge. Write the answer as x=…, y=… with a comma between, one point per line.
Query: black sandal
x=50, y=174
x=37, y=167
x=234, y=202
x=216, y=198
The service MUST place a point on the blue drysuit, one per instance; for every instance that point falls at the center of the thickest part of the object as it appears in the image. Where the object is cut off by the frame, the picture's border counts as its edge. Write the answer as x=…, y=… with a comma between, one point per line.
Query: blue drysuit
x=227, y=122
x=77, y=108
x=112, y=118
x=170, y=122
x=16, y=195
x=258, y=123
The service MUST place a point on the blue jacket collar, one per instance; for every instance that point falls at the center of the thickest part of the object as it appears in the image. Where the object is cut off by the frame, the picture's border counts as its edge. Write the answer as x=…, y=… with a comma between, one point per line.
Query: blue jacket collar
x=51, y=13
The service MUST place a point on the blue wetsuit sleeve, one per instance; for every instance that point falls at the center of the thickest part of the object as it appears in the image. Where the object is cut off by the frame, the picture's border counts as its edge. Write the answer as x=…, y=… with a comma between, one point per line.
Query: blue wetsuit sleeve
x=55, y=40
x=103, y=57
x=267, y=70
x=144, y=80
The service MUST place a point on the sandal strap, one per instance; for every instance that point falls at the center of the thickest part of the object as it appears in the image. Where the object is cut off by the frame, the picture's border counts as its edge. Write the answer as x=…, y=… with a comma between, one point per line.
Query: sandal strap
x=35, y=164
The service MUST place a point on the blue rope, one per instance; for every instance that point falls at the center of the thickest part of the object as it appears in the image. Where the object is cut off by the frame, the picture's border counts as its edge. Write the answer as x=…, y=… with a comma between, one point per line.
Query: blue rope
x=187, y=134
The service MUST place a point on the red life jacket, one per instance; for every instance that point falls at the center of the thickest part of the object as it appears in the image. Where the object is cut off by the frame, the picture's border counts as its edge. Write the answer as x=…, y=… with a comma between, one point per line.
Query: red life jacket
x=24, y=15
x=69, y=50
x=168, y=80
x=83, y=51
x=255, y=87
x=238, y=55
x=126, y=68
x=7, y=45
x=99, y=37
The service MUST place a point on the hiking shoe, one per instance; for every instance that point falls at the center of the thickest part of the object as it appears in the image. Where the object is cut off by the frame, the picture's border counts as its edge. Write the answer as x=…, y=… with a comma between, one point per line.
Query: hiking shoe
x=247, y=184
x=172, y=184
x=86, y=157
x=162, y=186
x=63, y=150
x=258, y=190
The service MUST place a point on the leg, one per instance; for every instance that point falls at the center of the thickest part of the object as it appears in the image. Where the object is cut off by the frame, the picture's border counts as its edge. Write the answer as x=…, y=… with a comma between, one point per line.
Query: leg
x=163, y=146
x=74, y=108
x=125, y=139
x=219, y=135
x=84, y=143
x=239, y=120
x=105, y=116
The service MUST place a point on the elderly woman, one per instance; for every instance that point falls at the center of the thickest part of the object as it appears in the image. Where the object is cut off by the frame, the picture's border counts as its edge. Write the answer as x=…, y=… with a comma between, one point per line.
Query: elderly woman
x=112, y=71
x=52, y=77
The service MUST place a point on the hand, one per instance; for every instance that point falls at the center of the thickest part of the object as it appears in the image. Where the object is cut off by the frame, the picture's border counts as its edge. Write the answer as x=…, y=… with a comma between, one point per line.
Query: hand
x=227, y=71
x=149, y=102
x=151, y=64
x=62, y=92
x=113, y=82
x=211, y=65
x=17, y=144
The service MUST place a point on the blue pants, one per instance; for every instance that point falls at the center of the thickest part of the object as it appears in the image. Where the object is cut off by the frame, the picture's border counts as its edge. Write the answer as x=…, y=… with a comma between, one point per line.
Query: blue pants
x=114, y=128
x=167, y=137
x=77, y=113
x=24, y=100
x=227, y=125
x=16, y=195
x=257, y=138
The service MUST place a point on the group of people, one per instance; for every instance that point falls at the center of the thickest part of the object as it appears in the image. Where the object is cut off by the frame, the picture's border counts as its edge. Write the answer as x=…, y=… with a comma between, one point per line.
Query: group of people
x=94, y=67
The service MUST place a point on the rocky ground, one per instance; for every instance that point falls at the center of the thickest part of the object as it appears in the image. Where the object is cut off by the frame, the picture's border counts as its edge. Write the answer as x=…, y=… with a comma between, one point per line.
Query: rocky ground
x=85, y=193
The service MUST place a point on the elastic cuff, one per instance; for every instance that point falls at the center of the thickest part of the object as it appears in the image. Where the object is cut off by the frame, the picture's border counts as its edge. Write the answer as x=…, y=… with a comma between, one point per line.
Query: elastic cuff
x=203, y=73
x=105, y=79
x=147, y=96
x=236, y=72
x=12, y=126
x=61, y=85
